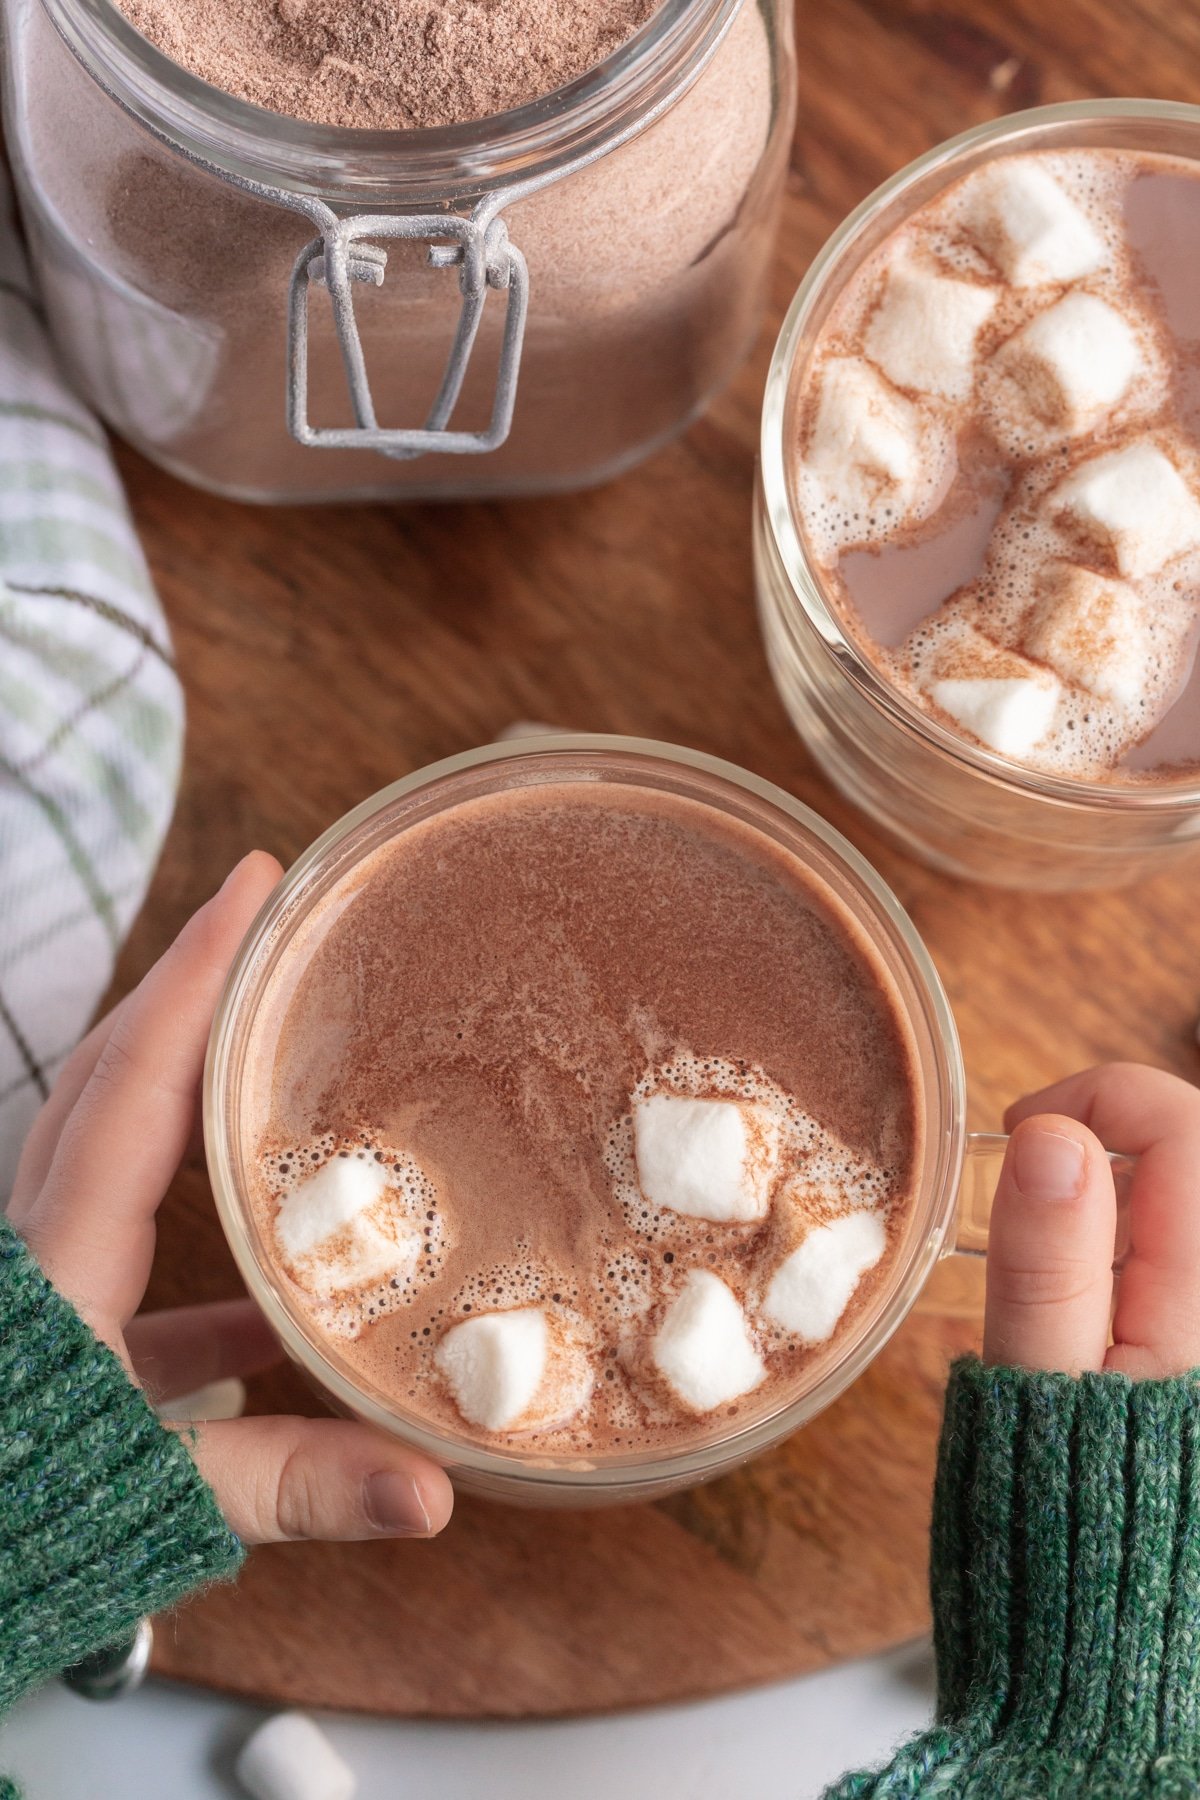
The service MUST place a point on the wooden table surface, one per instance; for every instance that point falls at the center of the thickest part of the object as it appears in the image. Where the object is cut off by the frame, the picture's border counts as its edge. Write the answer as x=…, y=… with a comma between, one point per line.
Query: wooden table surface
x=324, y=653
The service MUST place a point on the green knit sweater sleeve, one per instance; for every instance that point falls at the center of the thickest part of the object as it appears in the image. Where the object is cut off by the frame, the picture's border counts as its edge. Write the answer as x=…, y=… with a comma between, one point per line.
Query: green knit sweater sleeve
x=1066, y=1594
x=103, y=1514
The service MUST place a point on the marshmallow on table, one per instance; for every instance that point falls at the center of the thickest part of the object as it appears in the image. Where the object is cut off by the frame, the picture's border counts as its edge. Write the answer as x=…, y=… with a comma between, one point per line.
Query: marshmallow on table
x=703, y=1349
x=1003, y=699
x=865, y=441
x=288, y=1758
x=516, y=1370
x=811, y=1288
x=1072, y=362
x=708, y=1159
x=1025, y=223
x=337, y=1231
x=923, y=332
x=1135, y=504
x=1091, y=629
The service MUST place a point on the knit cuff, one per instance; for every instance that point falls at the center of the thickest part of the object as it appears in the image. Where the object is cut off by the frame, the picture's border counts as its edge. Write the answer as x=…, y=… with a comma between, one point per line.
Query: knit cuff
x=1066, y=1565
x=103, y=1514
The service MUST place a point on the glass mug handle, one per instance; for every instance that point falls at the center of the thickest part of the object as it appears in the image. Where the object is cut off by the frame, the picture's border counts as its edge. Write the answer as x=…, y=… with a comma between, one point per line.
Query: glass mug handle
x=981, y=1172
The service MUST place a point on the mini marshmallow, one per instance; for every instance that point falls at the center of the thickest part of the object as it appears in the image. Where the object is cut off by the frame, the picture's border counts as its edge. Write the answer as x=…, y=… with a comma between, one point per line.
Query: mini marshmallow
x=1010, y=714
x=337, y=1232
x=1025, y=223
x=703, y=1348
x=515, y=1370
x=708, y=1159
x=1091, y=629
x=1135, y=504
x=924, y=330
x=811, y=1288
x=866, y=438
x=1072, y=362
x=1000, y=697
x=288, y=1758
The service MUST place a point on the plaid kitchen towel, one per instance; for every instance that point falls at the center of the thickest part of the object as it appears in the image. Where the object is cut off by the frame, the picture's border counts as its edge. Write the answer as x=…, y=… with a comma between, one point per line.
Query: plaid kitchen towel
x=91, y=713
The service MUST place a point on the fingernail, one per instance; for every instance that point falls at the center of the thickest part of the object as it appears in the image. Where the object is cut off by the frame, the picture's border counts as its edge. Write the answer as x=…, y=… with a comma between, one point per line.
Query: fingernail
x=1048, y=1166
x=394, y=1504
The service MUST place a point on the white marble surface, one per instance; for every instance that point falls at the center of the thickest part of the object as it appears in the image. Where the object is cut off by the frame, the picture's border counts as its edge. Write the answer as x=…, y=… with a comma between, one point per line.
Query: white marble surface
x=777, y=1743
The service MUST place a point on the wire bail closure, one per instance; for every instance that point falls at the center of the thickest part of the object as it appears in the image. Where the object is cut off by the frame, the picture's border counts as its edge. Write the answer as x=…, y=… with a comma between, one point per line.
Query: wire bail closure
x=479, y=247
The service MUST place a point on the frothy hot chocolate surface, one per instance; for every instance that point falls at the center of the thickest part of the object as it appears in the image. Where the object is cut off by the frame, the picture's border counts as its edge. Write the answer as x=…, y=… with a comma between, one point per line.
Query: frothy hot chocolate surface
x=998, y=461
x=497, y=1024
x=388, y=66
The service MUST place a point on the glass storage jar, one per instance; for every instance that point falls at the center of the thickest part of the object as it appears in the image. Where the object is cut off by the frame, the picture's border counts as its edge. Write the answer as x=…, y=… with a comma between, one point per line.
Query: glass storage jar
x=282, y=311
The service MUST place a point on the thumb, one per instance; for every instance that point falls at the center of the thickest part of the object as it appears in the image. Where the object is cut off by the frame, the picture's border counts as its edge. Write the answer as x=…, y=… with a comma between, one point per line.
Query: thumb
x=281, y=1478
x=1050, y=1250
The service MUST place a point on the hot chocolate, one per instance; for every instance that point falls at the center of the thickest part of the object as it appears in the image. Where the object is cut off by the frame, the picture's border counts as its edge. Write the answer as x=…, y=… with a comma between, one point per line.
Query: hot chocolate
x=997, y=466
x=581, y=1118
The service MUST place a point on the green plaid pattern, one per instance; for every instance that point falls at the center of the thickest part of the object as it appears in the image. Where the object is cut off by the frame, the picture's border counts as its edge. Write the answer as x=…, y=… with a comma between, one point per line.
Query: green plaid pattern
x=91, y=712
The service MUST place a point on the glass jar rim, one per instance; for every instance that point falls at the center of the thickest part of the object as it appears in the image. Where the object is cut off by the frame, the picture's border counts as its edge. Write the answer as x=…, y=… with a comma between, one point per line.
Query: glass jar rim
x=944, y=1129
x=421, y=165
x=804, y=581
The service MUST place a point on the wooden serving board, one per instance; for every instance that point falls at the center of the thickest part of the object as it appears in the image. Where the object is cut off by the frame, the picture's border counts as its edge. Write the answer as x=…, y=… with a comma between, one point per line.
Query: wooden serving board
x=326, y=652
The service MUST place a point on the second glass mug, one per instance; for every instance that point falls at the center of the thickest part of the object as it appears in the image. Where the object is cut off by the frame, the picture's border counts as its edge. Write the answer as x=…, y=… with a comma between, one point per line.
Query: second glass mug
x=955, y=1171
x=954, y=804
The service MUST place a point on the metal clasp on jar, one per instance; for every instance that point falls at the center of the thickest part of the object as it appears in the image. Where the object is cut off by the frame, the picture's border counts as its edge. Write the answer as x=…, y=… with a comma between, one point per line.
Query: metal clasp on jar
x=340, y=257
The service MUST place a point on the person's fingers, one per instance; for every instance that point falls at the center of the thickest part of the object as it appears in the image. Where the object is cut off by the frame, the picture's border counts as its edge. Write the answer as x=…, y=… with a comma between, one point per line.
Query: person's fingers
x=282, y=1478
x=92, y=1224
x=1050, y=1250
x=1155, y=1117
x=177, y=1351
x=44, y=1133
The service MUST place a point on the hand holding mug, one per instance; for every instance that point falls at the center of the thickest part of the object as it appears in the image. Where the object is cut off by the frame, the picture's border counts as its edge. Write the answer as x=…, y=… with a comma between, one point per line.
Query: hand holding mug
x=95, y=1168
x=1051, y=1288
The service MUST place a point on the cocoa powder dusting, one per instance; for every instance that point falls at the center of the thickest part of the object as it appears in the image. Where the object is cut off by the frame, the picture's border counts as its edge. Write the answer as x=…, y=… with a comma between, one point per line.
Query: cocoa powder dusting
x=384, y=64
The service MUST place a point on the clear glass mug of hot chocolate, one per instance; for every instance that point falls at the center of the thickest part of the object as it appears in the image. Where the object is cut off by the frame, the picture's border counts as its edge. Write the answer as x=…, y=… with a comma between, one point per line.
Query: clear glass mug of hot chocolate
x=325, y=249
x=587, y=1113
x=977, y=528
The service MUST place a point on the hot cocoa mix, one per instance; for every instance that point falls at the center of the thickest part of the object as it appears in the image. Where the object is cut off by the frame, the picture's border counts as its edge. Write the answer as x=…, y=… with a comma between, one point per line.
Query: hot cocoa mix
x=380, y=67
x=581, y=1119
x=167, y=287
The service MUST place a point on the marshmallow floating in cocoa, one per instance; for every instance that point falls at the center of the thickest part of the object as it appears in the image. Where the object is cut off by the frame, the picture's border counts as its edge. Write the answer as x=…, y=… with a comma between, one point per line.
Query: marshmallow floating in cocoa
x=811, y=1288
x=923, y=332
x=1071, y=363
x=866, y=443
x=515, y=1370
x=338, y=1230
x=1134, y=504
x=1027, y=224
x=1009, y=714
x=703, y=1349
x=1000, y=697
x=707, y=1159
x=1091, y=629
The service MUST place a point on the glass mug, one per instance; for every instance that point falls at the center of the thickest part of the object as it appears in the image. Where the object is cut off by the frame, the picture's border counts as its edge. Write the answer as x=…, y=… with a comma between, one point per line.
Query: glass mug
x=954, y=804
x=956, y=1173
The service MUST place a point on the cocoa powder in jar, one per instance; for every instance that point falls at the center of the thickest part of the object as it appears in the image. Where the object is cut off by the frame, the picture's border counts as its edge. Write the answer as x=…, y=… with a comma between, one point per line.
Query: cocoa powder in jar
x=646, y=278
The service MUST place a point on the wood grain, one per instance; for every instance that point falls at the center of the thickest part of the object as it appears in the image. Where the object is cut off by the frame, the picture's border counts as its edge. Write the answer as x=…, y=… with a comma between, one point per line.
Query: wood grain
x=327, y=652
